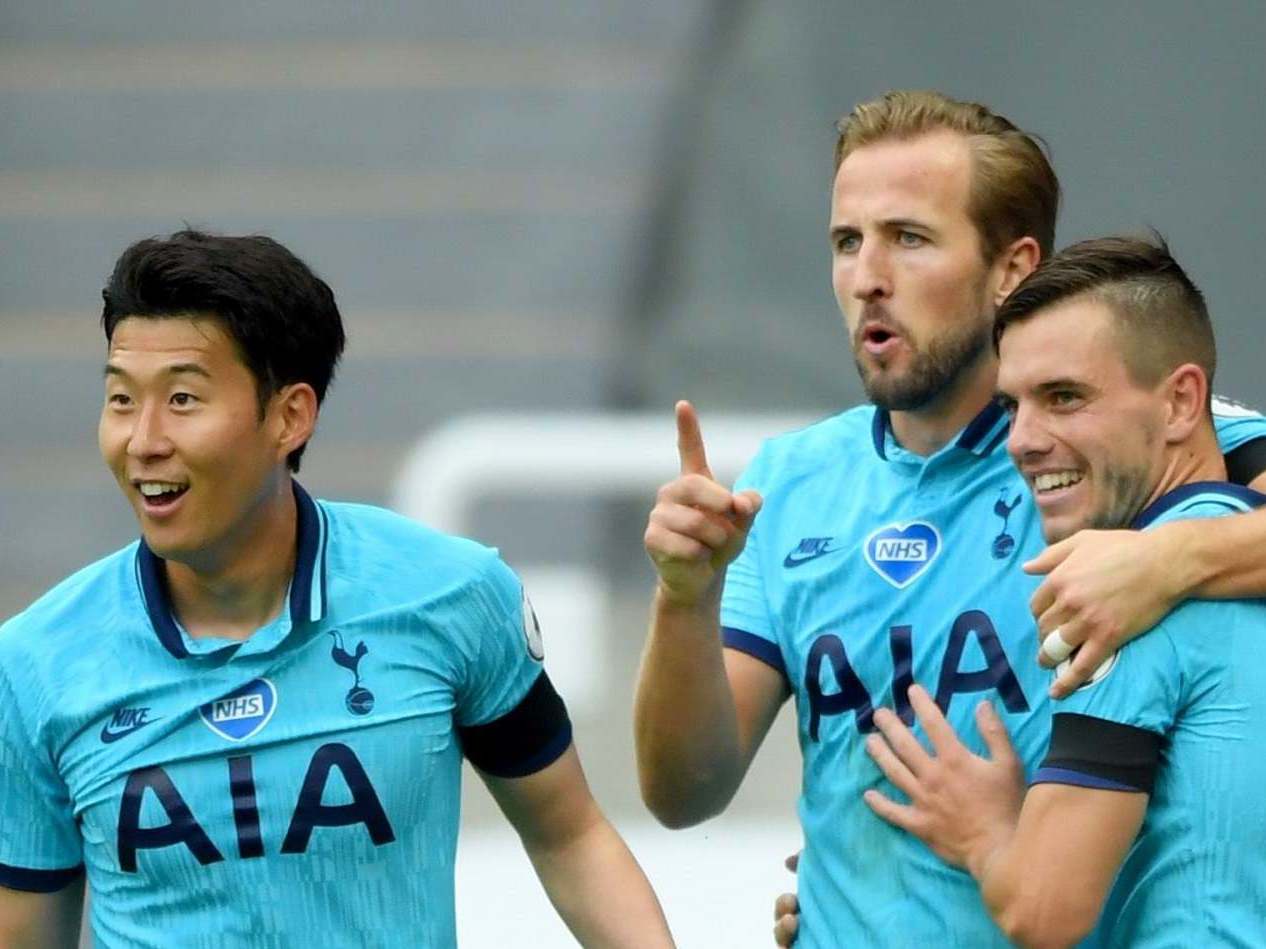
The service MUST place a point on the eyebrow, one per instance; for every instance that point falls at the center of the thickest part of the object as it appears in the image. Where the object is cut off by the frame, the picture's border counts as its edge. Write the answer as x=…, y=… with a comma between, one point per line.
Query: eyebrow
x=1062, y=383
x=892, y=222
x=177, y=369
x=906, y=222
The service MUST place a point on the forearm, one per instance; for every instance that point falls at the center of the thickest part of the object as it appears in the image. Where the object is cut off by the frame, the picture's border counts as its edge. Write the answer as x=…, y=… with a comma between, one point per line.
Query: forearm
x=600, y=891
x=689, y=757
x=1222, y=559
x=1045, y=878
x=41, y=920
x=1014, y=898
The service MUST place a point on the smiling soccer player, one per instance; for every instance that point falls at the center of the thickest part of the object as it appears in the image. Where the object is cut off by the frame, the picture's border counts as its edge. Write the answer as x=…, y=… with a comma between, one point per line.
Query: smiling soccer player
x=248, y=726
x=1147, y=807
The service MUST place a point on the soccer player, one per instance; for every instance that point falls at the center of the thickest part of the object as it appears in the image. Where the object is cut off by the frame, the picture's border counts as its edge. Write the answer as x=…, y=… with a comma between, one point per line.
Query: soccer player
x=890, y=539
x=1150, y=779
x=248, y=726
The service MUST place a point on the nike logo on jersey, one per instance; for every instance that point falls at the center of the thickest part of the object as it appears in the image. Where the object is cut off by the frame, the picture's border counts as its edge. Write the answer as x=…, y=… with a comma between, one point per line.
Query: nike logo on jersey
x=811, y=548
x=124, y=722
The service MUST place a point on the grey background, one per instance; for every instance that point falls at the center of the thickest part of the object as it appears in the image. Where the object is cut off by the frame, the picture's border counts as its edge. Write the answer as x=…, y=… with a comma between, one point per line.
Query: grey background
x=556, y=205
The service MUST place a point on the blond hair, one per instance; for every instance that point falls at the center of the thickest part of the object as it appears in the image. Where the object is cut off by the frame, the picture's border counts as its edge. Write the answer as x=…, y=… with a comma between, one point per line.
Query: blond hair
x=1014, y=190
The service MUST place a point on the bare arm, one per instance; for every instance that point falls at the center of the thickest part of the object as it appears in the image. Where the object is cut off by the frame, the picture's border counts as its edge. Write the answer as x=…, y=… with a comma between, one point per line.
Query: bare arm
x=1103, y=588
x=700, y=711
x=1045, y=860
x=41, y=920
x=1047, y=884
x=1225, y=563
x=587, y=870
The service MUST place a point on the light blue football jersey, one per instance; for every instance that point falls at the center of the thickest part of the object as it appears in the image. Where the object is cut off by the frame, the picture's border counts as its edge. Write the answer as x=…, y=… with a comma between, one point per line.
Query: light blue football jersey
x=298, y=788
x=870, y=568
x=1195, y=875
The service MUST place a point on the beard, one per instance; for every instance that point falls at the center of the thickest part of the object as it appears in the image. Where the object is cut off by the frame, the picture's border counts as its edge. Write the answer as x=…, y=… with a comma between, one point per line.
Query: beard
x=1126, y=490
x=933, y=371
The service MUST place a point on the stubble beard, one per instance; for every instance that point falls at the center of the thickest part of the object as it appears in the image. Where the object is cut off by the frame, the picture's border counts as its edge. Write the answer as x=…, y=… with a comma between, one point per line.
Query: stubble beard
x=1126, y=489
x=934, y=369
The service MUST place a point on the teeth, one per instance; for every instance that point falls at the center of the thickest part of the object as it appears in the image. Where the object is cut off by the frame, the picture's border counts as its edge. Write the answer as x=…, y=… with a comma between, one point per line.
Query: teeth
x=1056, y=479
x=152, y=489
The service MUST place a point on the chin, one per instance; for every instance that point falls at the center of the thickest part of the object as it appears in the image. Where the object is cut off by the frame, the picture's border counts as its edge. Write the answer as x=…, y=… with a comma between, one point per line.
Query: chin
x=168, y=547
x=1058, y=530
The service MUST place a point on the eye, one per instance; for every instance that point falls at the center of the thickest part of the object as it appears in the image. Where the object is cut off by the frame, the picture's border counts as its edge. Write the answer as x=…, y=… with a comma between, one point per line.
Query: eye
x=1007, y=405
x=1064, y=398
x=119, y=400
x=910, y=239
x=847, y=243
x=183, y=399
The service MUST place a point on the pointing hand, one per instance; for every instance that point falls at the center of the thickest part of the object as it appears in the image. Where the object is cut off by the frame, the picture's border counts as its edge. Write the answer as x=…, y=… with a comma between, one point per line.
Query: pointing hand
x=697, y=526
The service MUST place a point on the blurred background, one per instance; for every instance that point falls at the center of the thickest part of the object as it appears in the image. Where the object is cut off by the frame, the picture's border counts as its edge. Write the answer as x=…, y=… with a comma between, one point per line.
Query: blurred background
x=546, y=220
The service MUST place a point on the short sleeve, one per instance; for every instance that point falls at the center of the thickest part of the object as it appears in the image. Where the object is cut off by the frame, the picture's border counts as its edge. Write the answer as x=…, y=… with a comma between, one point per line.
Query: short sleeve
x=1109, y=733
x=1236, y=424
x=40, y=848
x=746, y=623
x=511, y=720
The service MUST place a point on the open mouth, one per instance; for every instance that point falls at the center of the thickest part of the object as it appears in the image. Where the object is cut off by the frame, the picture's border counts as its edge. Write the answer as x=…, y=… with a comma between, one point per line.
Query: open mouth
x=161, y=495
x=878, y=339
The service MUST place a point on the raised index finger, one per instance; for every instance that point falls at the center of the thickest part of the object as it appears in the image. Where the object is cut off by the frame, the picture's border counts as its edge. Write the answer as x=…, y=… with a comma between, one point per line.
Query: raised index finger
x=690, y=441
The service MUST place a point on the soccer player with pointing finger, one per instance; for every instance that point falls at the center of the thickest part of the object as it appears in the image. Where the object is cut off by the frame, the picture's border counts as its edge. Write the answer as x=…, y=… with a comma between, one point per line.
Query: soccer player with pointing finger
x=888, y=546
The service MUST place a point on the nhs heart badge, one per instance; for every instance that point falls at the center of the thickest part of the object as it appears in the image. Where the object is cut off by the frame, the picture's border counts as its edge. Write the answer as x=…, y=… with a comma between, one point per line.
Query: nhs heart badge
x=242, y=713
x=901, y=552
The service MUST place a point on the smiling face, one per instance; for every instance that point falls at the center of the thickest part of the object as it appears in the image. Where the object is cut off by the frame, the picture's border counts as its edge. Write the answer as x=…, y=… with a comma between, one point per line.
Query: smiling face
x=1088, y=438
x=182, y=432
x=907, y=268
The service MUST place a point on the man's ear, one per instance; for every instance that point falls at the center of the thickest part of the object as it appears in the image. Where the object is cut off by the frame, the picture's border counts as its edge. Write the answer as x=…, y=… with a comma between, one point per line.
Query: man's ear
x=293, y=415
x=1187, y=400
x=1016, y=262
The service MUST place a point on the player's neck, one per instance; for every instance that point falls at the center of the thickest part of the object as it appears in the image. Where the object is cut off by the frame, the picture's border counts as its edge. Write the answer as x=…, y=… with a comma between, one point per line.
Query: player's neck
x=233, y=591
x=1197, y=459
x=926, y=430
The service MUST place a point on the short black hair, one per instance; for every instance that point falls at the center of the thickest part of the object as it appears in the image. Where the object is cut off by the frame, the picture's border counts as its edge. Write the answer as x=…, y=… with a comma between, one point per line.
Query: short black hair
x=1159, y=314
x=282, y=316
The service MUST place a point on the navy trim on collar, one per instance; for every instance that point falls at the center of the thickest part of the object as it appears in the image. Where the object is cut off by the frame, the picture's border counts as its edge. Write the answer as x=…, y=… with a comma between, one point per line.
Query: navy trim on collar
x=879, y=431
x=149, y=569
x=1185, y=492
x=307, y=588
x=980, y=436
x=979, y=431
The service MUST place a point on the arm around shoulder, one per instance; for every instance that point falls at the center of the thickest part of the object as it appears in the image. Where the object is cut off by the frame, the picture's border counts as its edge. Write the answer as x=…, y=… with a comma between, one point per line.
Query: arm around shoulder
x=587, y=870
x=1221, y=558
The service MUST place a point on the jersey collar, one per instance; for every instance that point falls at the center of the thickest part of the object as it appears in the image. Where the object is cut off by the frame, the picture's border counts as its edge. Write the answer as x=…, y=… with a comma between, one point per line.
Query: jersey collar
x=306, y=600
x=980, y=436
x=1234, y=496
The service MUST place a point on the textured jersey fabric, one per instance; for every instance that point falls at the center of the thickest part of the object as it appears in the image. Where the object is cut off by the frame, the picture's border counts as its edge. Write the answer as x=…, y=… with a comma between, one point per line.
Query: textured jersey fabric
x=1195, y=875
x=297, y=788
x=870, y=568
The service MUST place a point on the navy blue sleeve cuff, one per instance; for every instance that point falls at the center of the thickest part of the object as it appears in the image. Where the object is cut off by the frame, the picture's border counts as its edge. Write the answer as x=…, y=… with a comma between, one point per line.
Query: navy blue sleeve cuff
x=38, y=881
x=525, y=740
x=758, y=648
